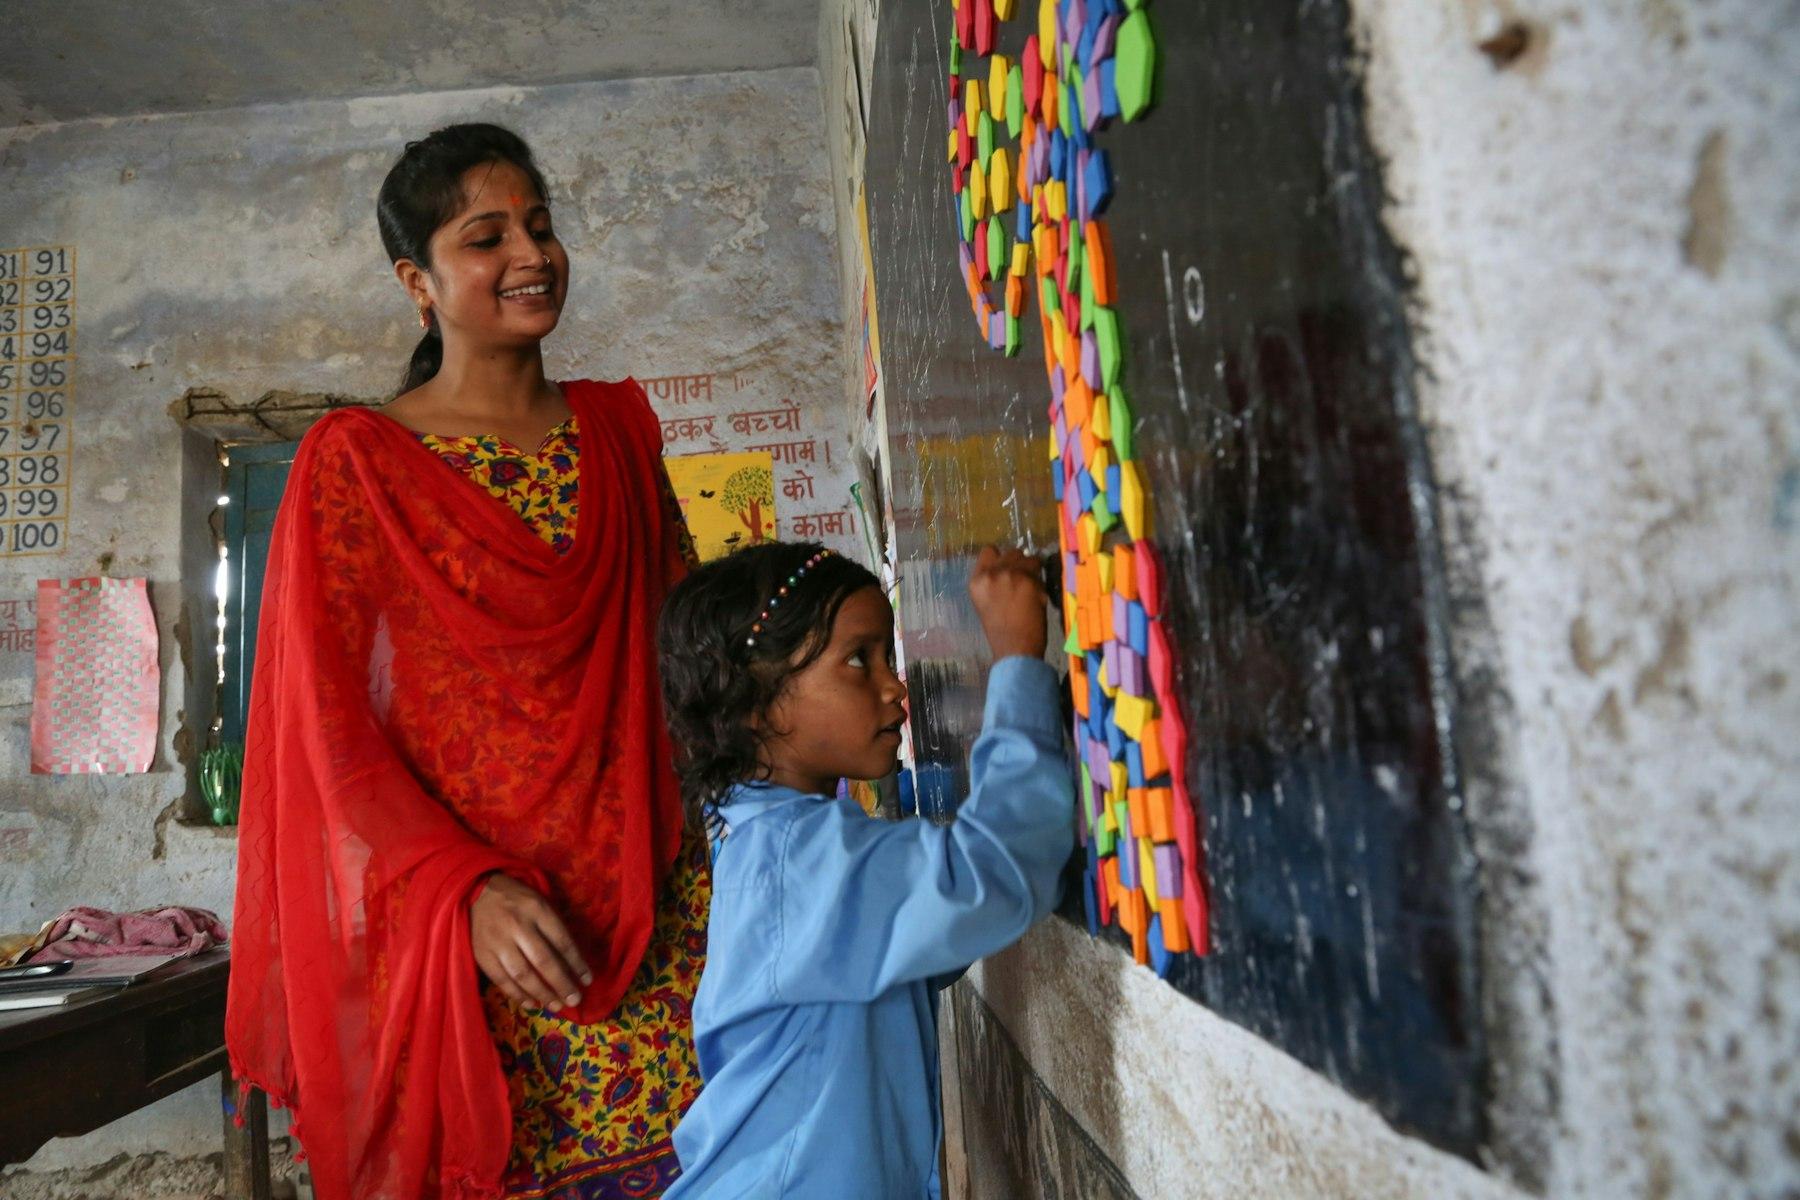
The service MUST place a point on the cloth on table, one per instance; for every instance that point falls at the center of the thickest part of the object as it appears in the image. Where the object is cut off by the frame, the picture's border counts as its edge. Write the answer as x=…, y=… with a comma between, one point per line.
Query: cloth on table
x=84, y=932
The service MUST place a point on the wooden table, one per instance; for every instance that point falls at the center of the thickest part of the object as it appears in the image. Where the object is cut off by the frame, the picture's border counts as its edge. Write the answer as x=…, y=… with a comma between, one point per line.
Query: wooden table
x=68, y=1070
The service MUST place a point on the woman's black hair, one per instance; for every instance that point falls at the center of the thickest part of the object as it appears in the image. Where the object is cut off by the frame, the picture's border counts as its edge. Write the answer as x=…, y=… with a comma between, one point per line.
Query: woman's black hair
x=714, y=685
x=423, y=190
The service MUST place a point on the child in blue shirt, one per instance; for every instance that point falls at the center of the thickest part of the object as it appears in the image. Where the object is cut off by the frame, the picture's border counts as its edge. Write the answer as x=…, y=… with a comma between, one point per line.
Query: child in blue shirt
x=831, y=931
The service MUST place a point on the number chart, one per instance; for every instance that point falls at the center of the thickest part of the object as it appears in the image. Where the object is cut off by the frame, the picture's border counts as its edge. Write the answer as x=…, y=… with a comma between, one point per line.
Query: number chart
x=37, y=374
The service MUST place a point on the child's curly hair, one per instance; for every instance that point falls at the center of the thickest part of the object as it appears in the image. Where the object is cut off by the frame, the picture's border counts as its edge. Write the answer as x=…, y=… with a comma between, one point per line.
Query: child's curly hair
x=715, y=685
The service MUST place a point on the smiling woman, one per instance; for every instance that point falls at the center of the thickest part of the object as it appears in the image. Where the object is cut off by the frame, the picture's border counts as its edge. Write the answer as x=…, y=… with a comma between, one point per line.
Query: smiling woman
x=470, y=922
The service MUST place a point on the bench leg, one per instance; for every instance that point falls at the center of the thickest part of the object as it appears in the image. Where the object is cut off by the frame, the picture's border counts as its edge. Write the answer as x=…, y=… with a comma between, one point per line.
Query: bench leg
x=246, y=1145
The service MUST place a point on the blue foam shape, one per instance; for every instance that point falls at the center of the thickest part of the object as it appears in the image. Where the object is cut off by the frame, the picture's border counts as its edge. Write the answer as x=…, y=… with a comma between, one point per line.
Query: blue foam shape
x=1056, y=479
x=1059, y=166
x=1022, y=221
x=1137, y=633
x=1088, y=904
x=1112, y=8
x=1097, y=704
x=1079, y=138
x=1134, y=764
x=1160, y=958
x=1084, y=48
x=1099, y=183
x=1085, y=481
x=1128, y=864
x=1109, y=88
x=1113, y=487
x=1115, y=741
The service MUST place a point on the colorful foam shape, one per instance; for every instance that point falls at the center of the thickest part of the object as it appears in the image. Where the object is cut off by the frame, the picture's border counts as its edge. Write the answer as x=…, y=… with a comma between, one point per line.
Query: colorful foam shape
x=973, y=104
x=1046, y=32
x=1149, y=571
x=1168, y=870
x=984, y=139
x=996, y=248
x=1097, y=252
x=1159, y=802
x=1015, y=101
x=999, y=69
x=1097, y=185
x=1092, y=111
x=1109, y=89
x=1106, y=34
x=1124, y=437
x=1031, y=63
x=1131, y=712
x=1133, y=502
x=1137, y=628
x=986, y=27
x=1006, y=10
x=965, y=26
x=1135, y=54
x=1000, y=179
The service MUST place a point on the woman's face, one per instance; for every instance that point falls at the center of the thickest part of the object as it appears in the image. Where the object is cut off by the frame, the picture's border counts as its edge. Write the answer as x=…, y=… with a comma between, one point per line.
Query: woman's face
x=498, y=275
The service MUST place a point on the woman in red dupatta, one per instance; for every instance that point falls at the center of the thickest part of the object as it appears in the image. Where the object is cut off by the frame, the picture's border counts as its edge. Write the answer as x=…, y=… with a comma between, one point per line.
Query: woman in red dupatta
x=457, y=767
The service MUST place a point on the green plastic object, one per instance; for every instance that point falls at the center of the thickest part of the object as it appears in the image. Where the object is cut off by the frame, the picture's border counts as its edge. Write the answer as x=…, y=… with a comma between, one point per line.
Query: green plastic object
x=221, y=773
x=984, y=139
x=1121, y=422
x=968, y=216
x=1134, y=70
x=996, y=242
x=1015, y=101
x=1013, y=340
x=1104, y=516
x=1106, y=331
x=1072, y=643
x=955, y=56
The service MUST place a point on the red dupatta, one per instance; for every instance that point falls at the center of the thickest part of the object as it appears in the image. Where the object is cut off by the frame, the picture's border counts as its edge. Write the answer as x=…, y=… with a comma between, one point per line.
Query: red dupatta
x=438, y=695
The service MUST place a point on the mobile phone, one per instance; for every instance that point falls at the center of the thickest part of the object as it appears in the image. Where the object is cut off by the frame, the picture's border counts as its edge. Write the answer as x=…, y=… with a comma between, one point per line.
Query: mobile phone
x=36, y=970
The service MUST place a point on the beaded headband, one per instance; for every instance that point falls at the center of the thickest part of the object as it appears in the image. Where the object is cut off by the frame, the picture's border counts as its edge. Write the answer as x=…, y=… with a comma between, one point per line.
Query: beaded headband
x=781, y=592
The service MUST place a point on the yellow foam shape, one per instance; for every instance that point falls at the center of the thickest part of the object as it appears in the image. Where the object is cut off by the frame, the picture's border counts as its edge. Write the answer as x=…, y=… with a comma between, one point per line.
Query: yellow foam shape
x=951, y=157
x=1131, y=712
x=1146, y=867
x=1000, y=180
x=1047, y=32
x=1097, y=468
x=1112, y=822
x=1132, y=505
x=999, y=67
x=978, y=194
x=1088, y=531
x=1102, y=421
x=1103, y=563
x=1056, y=200
x=1021, y=262
x=972, y=105
x=1006, y=10
x=1120, y=778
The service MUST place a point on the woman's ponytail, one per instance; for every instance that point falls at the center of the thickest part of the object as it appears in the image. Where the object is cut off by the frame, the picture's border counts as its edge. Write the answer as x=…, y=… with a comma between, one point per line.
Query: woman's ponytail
x=427, y=357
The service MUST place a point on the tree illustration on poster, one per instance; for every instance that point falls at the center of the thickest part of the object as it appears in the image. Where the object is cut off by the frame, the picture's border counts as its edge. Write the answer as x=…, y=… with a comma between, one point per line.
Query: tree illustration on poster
x=750, y=493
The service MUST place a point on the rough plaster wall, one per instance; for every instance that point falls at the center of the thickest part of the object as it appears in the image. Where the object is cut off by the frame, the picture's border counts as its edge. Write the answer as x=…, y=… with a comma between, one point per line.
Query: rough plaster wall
x=846, y=60
x=238, y=251
x=72, y=61
x=1602, y=214
x=1600, y=202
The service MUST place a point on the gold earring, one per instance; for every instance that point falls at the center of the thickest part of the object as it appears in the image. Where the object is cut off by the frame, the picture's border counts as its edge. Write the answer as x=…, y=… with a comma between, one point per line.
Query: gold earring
x=424, y=321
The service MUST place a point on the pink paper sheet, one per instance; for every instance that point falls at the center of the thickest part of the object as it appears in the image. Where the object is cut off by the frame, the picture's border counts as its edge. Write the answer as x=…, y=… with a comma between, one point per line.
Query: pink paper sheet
x=95, y=706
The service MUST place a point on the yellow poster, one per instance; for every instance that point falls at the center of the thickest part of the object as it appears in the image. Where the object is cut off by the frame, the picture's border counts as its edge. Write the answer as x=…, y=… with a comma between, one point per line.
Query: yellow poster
x=727, y=499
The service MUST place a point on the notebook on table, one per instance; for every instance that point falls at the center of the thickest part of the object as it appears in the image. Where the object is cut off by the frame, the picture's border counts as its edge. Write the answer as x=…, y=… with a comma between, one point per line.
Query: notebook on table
x=10, y=1002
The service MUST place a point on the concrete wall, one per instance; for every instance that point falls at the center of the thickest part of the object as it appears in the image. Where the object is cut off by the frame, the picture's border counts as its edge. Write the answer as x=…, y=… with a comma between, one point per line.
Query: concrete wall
x=1600, y=205
x=237, y=251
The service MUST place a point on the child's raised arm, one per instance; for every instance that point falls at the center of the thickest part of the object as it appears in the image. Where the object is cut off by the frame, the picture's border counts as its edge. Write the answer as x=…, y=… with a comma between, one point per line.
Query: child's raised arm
x=866, y=904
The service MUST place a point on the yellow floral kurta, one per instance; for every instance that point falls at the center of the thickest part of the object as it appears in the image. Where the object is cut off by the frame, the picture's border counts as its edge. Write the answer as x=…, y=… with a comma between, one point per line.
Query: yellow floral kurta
x=594, y=1105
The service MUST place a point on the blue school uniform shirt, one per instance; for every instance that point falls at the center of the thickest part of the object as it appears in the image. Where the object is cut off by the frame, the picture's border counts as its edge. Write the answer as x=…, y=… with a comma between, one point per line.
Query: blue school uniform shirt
x=830, y=932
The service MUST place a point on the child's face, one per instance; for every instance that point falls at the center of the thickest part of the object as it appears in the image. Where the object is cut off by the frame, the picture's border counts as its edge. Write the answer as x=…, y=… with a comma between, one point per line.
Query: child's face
x=840, y=717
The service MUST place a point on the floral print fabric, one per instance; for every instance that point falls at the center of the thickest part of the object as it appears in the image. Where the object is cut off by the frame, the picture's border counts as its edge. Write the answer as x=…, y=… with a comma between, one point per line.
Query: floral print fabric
x=594, y=1105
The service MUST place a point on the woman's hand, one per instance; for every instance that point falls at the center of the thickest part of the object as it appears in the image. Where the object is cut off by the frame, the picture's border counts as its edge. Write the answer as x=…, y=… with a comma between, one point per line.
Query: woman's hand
x=1008, y=590
x=523, y=947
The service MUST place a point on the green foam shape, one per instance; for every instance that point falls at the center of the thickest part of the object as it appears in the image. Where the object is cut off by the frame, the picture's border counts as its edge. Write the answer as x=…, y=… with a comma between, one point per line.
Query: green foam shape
x=1087, y=302
x=1012, y=336
x=1106, y=330
x=1087, y=787
x=1103, y=514
x=1047, y=294
x=984, y=139
x=1121, y=422
x=996, y=236
x=1134, y=70
x=1072, y=644
x=1065, y=111
x=968, y=216
x=1015, y=101
x=955, y=56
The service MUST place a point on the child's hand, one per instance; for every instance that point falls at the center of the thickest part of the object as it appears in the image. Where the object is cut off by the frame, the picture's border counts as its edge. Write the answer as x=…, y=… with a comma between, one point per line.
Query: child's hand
x=1008, y=590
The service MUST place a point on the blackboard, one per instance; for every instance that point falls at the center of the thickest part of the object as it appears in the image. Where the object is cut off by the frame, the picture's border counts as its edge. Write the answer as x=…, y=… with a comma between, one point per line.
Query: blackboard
x=1269, y=363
